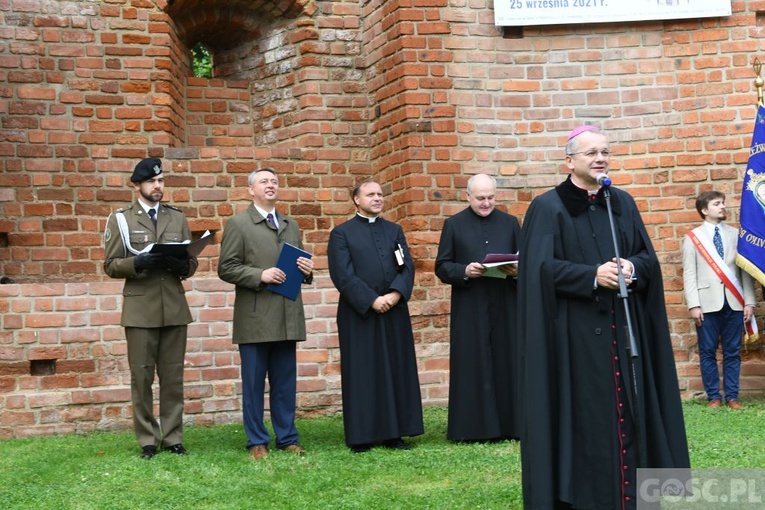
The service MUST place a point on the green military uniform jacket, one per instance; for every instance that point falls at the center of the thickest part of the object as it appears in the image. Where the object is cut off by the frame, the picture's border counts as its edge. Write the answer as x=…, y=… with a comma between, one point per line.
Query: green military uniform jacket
x=249, y=247
x=151, y=298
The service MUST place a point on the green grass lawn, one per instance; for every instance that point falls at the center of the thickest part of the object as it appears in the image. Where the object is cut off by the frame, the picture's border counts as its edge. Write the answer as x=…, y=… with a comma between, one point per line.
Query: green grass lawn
x=103, y=470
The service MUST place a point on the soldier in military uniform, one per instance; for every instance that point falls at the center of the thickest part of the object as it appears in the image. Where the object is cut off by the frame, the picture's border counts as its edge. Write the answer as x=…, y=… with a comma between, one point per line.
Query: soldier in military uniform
x=155, y=313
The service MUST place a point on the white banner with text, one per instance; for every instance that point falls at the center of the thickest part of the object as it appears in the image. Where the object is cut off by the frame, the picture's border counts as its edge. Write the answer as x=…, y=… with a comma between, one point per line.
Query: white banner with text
x=508, y=13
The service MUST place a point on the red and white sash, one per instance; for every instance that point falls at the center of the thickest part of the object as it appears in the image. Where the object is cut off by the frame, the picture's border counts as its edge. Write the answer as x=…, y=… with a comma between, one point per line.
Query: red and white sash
x=721, y=269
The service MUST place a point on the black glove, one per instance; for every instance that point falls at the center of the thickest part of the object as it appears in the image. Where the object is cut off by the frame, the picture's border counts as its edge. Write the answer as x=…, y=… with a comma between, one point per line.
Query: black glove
x=178, y=266
x=149, y=261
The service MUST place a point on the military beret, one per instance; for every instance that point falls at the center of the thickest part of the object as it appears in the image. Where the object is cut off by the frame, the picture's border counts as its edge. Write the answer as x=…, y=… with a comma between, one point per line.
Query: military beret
x=146, y=169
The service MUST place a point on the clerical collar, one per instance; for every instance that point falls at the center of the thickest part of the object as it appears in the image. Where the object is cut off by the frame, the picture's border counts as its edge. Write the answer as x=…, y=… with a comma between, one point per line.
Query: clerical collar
x=590, y=192
x=577, y=200
x=367, y=218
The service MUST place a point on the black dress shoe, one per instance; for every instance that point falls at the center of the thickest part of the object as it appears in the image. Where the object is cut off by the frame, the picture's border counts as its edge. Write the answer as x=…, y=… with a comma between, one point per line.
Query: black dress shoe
x=361, y=448
x=177, y=449
x=396, y=444
x=148, y=451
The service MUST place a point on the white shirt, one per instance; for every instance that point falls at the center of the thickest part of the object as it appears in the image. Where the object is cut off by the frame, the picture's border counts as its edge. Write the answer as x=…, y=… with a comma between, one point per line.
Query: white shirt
x=265, y=214
x=709, y=229
x=146, y=209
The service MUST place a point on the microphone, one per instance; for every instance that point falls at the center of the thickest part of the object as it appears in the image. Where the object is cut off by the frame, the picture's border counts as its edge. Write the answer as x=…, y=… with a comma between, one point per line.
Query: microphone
x=603, y=180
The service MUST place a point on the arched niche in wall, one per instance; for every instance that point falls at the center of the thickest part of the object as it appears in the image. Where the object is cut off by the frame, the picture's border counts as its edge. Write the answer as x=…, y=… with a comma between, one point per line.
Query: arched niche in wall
x=254, y=58
x=225, y=25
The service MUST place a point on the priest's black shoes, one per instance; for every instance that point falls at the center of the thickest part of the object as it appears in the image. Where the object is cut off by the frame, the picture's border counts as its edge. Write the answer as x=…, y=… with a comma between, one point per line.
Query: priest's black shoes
x=148, y=451
x=177, y=449
x=396, y=444
x=361, y=448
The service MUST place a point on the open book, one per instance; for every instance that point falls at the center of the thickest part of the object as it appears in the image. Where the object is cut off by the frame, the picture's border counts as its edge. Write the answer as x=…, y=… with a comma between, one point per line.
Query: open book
x=177, y=250
x=493, y=261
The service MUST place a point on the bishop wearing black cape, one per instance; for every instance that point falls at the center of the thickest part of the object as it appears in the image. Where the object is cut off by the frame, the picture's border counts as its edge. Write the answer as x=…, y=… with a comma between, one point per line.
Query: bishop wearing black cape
x=483, y=387
x=587, y=427
x=370, y=264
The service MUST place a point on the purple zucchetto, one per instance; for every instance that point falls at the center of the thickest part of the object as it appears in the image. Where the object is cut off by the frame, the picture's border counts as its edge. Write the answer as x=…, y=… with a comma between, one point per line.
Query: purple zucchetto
x=581, y=129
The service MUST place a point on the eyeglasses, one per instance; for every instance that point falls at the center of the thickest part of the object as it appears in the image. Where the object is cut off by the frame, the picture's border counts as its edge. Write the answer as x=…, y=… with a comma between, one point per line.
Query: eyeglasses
x=592, y=153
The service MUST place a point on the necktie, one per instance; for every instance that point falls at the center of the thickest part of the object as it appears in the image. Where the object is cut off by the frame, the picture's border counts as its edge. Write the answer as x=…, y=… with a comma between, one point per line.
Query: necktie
x=270, y=221
x=717, y=239
x=152, y=214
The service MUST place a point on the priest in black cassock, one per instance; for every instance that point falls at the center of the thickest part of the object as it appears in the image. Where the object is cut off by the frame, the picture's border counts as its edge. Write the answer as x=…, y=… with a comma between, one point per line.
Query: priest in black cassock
x=593, y=413
x=483, y=386
x=370, y=264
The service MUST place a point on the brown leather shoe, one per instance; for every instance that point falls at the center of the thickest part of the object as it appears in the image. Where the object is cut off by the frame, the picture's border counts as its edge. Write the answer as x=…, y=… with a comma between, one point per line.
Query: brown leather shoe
x=733, y=404
x=714, y=403
x=294, y=448
x=258, y=452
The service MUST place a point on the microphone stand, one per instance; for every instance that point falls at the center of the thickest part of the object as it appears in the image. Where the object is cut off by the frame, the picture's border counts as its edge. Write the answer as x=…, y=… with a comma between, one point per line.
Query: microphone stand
x=632, y=349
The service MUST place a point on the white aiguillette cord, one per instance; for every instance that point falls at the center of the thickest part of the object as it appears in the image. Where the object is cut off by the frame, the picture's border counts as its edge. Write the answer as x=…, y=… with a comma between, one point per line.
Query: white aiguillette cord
x=125, y=235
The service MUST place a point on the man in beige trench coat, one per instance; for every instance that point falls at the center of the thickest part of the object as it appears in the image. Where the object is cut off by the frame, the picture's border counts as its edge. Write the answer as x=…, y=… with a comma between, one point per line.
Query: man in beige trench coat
x=267, y=325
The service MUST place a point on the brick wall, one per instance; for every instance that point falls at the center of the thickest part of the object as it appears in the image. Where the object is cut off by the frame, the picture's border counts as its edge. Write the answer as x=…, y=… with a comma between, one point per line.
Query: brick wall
x=418, y=93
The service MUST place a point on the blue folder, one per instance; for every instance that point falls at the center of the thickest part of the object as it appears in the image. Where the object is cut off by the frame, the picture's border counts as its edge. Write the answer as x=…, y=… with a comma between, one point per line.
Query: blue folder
x=288, y=263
